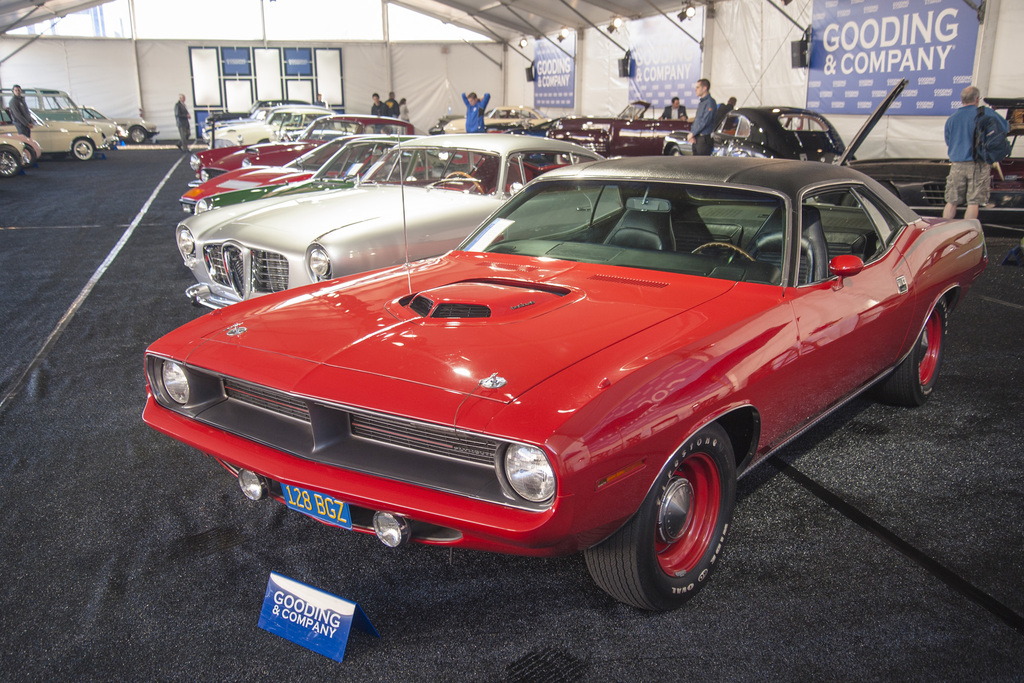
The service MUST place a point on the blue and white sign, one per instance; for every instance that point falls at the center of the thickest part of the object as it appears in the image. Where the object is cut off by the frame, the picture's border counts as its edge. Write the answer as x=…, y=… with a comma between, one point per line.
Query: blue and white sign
x=298, y=61
x=667, y=63
x=235, y=61
x=309, y=617
x=554, y=72
x=861, y=48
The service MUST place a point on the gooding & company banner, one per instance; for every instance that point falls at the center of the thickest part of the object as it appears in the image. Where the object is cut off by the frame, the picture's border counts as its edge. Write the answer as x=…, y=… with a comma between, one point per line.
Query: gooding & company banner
x=667, y=63
x=554, y=71
x=862, y=48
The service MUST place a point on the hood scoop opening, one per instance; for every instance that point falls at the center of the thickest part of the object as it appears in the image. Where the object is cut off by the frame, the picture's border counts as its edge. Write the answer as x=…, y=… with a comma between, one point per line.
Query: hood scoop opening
x=479, y=299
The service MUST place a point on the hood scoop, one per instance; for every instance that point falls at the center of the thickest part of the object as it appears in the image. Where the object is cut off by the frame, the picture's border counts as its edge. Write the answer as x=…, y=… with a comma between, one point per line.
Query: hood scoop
x=481, y=299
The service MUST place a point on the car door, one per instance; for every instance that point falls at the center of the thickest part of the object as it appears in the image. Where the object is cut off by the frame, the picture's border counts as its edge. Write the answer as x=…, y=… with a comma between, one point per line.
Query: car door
x=851, y=328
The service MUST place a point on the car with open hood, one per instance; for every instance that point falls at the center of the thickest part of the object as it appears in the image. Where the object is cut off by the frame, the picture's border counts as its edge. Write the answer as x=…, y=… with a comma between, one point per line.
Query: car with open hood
x=636, y=131
x=333, y=165
x=591, y=370
x=921, y=183
x=421, y=199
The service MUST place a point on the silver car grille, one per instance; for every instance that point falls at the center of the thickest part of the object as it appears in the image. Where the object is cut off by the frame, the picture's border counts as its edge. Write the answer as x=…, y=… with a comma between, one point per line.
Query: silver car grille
x=245, y=271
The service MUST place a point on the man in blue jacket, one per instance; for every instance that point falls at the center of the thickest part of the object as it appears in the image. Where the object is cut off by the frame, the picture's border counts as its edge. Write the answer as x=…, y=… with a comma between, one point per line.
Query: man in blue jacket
x=704, y=121
x=475, y=112
x=968, y=179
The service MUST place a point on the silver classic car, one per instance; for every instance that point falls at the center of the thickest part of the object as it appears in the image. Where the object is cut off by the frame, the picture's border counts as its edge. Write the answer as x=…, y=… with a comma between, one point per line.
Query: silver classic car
x=420, y=200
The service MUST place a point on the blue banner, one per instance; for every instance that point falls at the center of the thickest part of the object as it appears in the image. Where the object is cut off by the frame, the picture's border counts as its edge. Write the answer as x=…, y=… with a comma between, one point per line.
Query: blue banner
x=860, y=49
x=666, y=63
x=554, y=71
x=309, y=617
x=235, y=61
x=298, y=61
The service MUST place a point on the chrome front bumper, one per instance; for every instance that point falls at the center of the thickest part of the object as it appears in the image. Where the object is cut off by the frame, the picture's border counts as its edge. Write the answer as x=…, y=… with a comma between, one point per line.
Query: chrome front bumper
x=202, y=295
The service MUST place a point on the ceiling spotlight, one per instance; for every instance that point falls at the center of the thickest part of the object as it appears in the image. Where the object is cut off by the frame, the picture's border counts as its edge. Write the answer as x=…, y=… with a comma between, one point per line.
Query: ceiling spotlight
x=523, y=42
x=616, y=24
x=688, y=11
x=563, y=34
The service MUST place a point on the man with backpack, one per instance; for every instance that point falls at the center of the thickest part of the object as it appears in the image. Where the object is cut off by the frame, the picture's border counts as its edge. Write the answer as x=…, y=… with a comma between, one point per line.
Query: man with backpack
x=975, y=139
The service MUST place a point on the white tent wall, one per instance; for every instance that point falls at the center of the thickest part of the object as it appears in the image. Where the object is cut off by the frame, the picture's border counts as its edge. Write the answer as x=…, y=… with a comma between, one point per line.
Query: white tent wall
x=432, y=78
x=746, y=55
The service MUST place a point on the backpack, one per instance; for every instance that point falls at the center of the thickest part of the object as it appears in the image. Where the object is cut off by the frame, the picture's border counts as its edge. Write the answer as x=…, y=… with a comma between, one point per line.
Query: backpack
x=990, y=142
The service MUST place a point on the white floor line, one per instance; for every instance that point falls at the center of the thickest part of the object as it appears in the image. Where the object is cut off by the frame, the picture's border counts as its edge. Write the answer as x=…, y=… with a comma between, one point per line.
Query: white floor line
x=86, y=290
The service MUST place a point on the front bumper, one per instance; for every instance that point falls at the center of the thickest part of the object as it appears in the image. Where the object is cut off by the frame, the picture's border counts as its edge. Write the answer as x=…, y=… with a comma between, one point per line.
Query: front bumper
x=447, y=519
x=203, y=295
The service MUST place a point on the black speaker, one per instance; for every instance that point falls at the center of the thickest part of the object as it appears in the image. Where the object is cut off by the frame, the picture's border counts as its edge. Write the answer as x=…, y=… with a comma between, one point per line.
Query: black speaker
x=530, y=76
x=798, y=53
x=625, y=66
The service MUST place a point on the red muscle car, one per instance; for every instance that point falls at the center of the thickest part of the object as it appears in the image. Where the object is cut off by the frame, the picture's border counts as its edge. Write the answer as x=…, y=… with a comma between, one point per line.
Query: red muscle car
x=590, y=371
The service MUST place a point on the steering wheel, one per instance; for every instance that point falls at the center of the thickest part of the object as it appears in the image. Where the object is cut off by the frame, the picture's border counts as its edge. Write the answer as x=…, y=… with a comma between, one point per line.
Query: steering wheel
x=724, y=245
x=460, y=176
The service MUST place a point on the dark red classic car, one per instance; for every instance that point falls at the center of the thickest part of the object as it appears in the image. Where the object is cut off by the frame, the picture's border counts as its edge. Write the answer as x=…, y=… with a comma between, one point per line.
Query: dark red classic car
x=219, y=160
x=591, y=370
x=634, y=132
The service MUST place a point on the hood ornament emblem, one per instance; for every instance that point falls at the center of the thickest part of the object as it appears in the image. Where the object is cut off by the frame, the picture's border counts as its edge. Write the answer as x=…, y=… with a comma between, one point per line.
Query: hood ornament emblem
x=495, y=381
x=235, y=330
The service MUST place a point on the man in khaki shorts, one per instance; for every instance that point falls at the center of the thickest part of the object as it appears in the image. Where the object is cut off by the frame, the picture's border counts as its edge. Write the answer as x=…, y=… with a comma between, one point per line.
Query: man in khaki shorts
x=968, y=180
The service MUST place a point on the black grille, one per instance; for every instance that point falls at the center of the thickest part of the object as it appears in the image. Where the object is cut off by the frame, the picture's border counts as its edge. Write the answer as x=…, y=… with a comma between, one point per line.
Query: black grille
x=935, y=193
x=461, y=311
x=269, y=271
x=268, y=399
x=422, y=305
x=425, y=438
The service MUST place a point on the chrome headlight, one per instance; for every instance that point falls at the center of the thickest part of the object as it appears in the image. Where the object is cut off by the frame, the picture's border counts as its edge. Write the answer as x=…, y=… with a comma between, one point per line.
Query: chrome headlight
x=186, y=242
x=194, y=162
x=529, y=472
x=175, y=381
x=247, y=162
x=319, y=263
x=204, y=175
x=203, y=205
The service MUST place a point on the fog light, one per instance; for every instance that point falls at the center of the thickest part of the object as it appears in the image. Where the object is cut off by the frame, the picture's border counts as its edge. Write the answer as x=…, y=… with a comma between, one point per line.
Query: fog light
x=392, y=530
x=253, y=485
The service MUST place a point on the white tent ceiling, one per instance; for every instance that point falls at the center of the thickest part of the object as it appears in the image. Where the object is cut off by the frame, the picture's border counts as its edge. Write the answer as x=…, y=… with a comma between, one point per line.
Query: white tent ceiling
x=500, y=19
x=17, y=13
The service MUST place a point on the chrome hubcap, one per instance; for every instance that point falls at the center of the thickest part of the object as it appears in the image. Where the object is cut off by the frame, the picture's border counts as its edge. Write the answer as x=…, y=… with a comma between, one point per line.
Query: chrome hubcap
x=675, y=509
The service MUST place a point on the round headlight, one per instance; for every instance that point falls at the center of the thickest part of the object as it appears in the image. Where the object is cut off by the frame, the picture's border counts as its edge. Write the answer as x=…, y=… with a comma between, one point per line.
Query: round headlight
x=175, y=381
x=204, y=175
x=529, y=472
x=319, y=263
x=247, y=162
x=186, y=243
x=203, y=205
x=194, y=163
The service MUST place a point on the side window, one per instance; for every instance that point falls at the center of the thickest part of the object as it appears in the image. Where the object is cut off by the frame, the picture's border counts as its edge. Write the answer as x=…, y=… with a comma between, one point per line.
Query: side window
x=730, y=124
x=848, y=225
x=514, y=172
x=743, y=127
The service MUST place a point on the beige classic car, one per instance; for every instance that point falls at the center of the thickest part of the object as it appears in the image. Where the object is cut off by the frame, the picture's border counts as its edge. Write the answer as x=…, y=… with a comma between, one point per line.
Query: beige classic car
x=130, y=129
x=499, y=118
x=78, y=138
x=271, y=127
x=14, y=154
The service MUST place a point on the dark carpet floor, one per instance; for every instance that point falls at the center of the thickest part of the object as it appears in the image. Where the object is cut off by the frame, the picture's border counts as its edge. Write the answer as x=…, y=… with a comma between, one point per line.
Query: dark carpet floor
x=885, y=544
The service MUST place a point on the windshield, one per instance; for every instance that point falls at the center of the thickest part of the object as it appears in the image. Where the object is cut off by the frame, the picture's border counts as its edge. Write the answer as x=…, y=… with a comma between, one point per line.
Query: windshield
x=709, y=231
x=316, y=157
x=462, y=170
x=354, y=158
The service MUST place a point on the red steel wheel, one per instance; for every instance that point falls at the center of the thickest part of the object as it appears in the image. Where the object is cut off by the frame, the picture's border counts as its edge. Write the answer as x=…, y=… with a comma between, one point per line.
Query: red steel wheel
x=912, y=381
x=665, y=552
x=688, y=515
x=931, y=346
